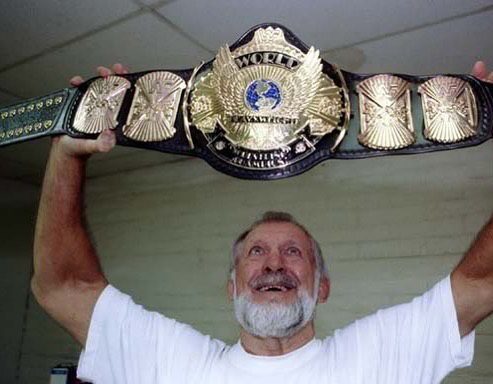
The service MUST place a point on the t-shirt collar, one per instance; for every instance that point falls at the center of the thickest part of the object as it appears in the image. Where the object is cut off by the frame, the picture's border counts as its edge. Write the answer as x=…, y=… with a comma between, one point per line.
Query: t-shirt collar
x=292, y=360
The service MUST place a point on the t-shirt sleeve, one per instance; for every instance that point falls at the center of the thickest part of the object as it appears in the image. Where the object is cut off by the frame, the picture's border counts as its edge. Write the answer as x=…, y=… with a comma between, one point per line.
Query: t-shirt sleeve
x=129, y=344
x=416, y=342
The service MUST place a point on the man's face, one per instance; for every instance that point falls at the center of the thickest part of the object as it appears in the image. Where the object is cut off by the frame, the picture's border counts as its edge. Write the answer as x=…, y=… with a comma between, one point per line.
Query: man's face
x=276, y=247
x=275, y=290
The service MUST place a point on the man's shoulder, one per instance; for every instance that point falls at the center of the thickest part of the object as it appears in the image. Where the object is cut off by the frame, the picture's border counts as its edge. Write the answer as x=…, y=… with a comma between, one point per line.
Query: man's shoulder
x=431, y=300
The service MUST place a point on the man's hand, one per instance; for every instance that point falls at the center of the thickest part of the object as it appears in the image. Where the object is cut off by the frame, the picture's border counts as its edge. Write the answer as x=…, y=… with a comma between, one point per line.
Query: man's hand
x=83, y=148
x=480, y=71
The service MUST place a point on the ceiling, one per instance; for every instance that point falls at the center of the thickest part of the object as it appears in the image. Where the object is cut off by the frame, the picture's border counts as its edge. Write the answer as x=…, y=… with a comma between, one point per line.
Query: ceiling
x=44, y=43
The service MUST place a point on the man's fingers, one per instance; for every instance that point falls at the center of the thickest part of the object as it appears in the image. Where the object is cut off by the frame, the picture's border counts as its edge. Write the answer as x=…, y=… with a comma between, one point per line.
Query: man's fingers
x=76, y=81
x=116, y=68
x=479, y=70
x=84, y=147
x=106, y=141
x=119, y=69
x=103, y=71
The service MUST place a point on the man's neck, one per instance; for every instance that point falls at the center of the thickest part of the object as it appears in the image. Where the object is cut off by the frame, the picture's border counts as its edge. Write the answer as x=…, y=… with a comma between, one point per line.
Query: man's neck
x=272, y=346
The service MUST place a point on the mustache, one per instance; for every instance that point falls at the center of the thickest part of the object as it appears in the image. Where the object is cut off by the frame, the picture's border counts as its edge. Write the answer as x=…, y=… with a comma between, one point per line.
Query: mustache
x=278, y=278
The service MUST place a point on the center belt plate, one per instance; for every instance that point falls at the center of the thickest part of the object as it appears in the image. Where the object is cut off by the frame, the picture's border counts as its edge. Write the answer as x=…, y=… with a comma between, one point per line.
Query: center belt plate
x=266, y=104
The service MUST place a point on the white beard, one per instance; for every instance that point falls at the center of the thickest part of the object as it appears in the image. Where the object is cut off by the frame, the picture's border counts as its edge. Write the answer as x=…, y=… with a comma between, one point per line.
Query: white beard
x=274, y=319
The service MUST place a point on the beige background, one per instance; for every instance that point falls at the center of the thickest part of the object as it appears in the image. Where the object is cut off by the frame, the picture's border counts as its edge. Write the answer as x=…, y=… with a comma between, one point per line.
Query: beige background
x=391, y=227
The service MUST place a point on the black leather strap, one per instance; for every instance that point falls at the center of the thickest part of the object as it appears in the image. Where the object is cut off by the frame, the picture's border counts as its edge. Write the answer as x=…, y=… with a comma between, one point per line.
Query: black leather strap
x=350, y=148
x=54, y=114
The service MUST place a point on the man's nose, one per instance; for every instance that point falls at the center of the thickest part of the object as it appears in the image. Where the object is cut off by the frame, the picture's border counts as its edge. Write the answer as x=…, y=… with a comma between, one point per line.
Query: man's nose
x=274, y=262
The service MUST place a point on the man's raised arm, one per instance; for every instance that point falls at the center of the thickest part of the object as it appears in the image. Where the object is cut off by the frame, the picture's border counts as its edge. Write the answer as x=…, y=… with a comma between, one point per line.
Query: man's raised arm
x=68, y=278
x=472, y=279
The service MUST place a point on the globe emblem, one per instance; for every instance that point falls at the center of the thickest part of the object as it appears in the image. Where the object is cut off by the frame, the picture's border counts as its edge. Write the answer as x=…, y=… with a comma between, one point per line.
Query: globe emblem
x=263, y=95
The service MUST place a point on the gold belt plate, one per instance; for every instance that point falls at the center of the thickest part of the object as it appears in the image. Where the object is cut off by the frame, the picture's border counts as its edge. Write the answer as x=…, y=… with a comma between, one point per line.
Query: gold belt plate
x=99, y=107
x=385, y=113
x=154, y=107
x=266, y=104
x=449, y=109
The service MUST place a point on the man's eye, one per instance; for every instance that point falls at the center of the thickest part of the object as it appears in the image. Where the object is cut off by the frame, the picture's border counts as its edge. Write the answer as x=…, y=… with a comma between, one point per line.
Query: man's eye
x=293, y=251
x=256, y=251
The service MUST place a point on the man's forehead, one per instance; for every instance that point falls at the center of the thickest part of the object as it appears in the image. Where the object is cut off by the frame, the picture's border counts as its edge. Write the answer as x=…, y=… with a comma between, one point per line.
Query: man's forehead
x=279, y=230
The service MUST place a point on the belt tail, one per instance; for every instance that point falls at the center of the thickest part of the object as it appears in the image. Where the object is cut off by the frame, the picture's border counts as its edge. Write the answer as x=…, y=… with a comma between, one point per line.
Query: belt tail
x=37, y=117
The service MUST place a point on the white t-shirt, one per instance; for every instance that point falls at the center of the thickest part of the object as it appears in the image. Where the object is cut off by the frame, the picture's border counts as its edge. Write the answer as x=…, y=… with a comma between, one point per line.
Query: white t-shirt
x=417, y=342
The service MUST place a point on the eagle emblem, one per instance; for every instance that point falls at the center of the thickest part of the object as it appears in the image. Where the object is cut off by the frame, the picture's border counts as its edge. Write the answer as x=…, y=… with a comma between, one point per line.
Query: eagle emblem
x=265, y=99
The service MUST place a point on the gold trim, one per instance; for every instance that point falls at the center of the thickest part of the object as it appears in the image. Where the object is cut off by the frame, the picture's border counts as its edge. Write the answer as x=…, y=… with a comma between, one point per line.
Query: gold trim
x=186, y=105
x=346, y=110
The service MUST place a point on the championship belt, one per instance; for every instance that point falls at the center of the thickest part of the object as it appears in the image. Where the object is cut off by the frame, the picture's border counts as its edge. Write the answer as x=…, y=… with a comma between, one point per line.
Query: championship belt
x=266, y=107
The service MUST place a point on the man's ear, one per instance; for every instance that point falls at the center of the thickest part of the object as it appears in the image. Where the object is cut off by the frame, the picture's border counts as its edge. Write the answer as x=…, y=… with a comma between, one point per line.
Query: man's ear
x=231, y=289
x=323, y=290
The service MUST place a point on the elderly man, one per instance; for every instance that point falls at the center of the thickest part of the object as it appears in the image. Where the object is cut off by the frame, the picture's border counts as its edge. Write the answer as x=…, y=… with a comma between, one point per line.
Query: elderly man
x=277, y=278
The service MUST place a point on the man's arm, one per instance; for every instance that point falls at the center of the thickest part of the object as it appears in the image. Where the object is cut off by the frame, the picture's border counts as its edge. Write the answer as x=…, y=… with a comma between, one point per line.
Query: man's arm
x=472, y=279
x=68, y=278
x=472, y=282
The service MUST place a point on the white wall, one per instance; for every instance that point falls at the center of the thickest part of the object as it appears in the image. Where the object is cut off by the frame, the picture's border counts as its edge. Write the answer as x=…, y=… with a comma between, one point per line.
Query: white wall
x=391, y=227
